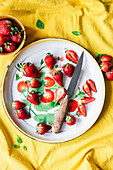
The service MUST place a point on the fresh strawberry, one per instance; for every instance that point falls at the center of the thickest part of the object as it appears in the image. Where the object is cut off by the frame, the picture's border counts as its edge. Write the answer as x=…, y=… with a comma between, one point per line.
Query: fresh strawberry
x=33, y=98
x=70, y=120
x=109, y=74
x=48, y=96
x=105, y=58
x=5, y=22
x=58, y=77
x=1, y=49
x=9, y=46
x=68, y=69
x=17, y=105
x=86, y=89
x=22, y=85
x=60, y=93
x=49, y=82
x=71, y=56
x=82, y=110
x=3, y=39
x=5, y=29
x=105, y=66
x=33, y=83
x=29, y=70
x=50, y=60
x=21, y=114
x=87, y=100
x=16, y=38
x=92, y=85
x=73, y=104
x=42, y=128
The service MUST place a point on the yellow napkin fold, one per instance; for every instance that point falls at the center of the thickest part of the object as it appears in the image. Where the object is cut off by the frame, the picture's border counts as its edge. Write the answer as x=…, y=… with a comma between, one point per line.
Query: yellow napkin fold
x=94, y=149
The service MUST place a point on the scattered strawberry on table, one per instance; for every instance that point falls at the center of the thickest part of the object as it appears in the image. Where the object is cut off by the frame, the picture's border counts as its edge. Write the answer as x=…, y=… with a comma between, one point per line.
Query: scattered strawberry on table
x=45, y=92
x=10, y=36
x=106, y=66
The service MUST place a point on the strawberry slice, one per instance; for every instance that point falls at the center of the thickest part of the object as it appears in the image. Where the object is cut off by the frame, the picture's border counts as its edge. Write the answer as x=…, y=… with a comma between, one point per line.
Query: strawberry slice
x=60, y=93
x=22, y=85
x=92, y=85
x=73, y=104
x=49, y=82
x=71, y=56
x=87, y=100
x=86, y=89
x=82, y=110
x=48, y=96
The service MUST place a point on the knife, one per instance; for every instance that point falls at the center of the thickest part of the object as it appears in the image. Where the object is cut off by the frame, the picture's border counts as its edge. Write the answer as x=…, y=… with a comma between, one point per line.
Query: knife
x=57, y=124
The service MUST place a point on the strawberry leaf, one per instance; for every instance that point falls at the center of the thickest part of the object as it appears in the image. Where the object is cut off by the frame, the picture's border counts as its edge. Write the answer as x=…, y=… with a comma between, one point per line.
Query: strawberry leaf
x=24, y=148
x=58, y=58
x=56, y=66
x=75, y=32
x=77, y=114
x=42, y=61
x=39, y=24
x=41, y=118
x=17, y=77
x=19, y=139
x=16, y=146
x=50, y=118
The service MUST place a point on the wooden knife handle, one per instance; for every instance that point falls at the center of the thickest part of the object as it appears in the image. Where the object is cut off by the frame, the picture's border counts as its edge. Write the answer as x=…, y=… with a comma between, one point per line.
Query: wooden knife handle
x=57, y=124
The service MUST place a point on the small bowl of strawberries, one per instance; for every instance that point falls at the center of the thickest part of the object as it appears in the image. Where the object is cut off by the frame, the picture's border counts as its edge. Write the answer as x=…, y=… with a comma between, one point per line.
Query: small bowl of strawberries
x=12, y=35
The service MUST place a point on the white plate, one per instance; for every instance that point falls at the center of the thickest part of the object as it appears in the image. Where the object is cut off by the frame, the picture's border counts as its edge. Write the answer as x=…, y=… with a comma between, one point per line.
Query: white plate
x=33, y=53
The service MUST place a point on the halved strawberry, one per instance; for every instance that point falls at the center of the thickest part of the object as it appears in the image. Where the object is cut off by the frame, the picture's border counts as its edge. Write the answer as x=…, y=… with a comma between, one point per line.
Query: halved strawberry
x=73, y=104
x=49, y=82
x=60, y=93
x=48, y=96
x=92, y=85
x=87, y=100
x=82, y=110
x=71, y=56
x=86, y=89
x=22, y=85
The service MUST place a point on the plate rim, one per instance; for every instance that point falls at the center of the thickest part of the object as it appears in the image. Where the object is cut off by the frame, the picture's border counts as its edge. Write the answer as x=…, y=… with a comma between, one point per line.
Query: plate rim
x=3, y=98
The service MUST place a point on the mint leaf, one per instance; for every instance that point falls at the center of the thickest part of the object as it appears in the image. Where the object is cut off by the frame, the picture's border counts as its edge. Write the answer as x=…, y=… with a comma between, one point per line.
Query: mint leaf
x=77, y=114
x=41, y=118
x=46, y=106
x=76, y=32
x=19, y=139
x=50, y=118
x=16, y=146
x=42, y=61
x=56, y=66
x=98, y=57
x=58, y=58
x=40, y=24
x=24, y=148
x=27, y=103
x=42, y=76
x=17, y=77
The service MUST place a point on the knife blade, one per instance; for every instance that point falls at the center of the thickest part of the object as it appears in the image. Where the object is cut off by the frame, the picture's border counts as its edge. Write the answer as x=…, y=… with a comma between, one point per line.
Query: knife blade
x=58, y=121
x=75, y=77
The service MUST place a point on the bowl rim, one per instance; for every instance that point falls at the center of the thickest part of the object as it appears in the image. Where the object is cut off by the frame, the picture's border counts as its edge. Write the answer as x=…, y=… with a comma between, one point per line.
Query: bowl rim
x=22, y=27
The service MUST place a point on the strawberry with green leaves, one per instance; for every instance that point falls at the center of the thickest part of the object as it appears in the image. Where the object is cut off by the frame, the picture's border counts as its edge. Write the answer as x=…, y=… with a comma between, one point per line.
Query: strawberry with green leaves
x=70, y=120
x=82, y=110
x=50, y=60
x=60, y=93
x=9, y=46
x=58, y=77
x=105, y=58
x=22, y=114
x=68, y=69
x=109, y=74
x=17, y=105
x=71, y=56
x=33, y=98
x=6, y=22
x=28, y=70
x=16, y=35
x=42, y=128
x=5, y=29
x=105, y=66
x=33, y=83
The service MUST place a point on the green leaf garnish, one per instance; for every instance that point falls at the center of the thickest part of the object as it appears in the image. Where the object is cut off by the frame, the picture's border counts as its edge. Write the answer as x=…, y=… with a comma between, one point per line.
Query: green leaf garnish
x=80, y=93
x=58, y=58
x=42, y=67
x=77, y=114
x=19, y=139
x=76, y=32
x=42, y=61
x=17, y=77
x=16, y=146
x=40, y=24
x=24, y=148
x=56, y=66
x=41, y=118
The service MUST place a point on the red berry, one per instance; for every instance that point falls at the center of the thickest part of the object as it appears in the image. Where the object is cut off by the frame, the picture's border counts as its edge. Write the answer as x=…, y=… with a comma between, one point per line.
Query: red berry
x=21, y=114
x=33, y=98
x=17, y=105
x=70, y=120
x=86, y=89
x=71, y=56
x=9, y=46
x=50, y=61
x=68, y=69
x=58, y=77
x=105, y=66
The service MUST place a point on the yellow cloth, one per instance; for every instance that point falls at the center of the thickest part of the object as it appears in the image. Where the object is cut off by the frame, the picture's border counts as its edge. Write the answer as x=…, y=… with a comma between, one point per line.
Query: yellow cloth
x=94, y=149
